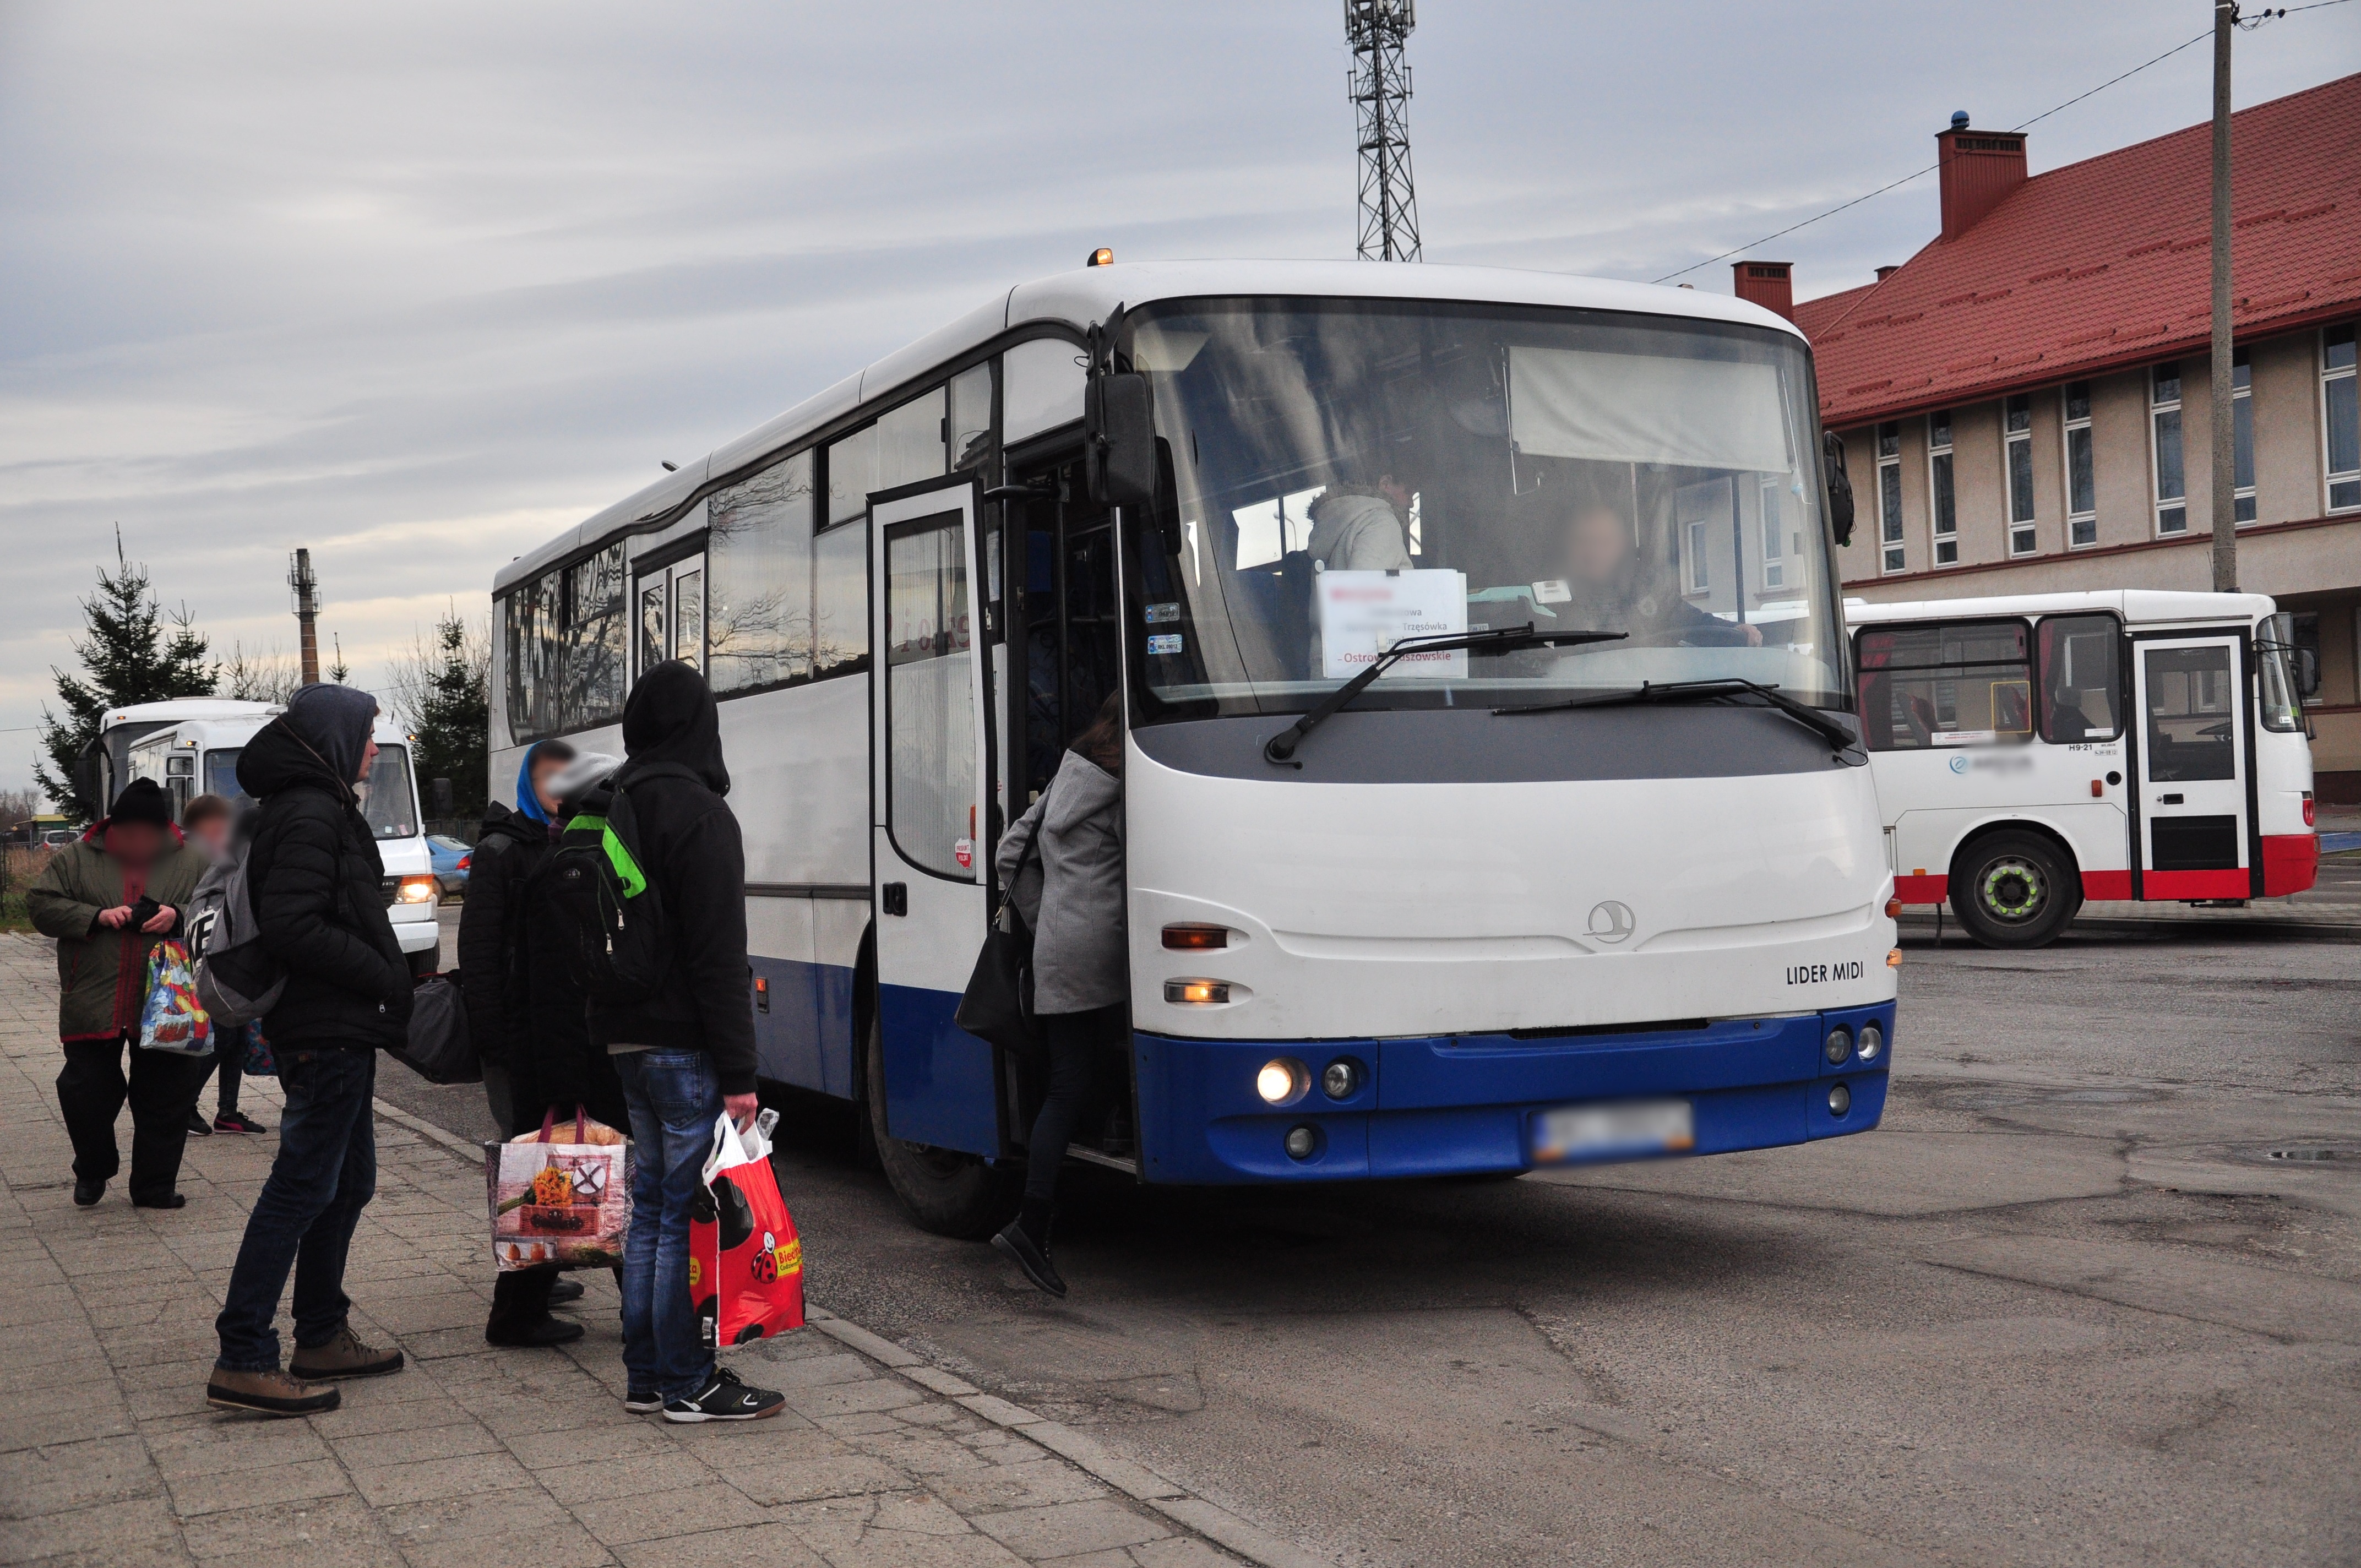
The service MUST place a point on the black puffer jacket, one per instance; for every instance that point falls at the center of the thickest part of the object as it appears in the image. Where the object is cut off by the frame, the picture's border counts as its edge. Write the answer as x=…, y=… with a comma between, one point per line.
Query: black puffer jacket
x=319, y=901
x=690, y=847
x=507, y=852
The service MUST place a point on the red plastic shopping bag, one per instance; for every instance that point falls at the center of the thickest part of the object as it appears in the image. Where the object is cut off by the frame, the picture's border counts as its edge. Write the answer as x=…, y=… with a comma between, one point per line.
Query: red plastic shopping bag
x=745, y=1266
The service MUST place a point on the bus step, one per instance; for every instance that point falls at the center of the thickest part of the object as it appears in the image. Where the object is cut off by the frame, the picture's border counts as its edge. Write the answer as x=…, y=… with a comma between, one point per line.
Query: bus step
x=1128, y=1165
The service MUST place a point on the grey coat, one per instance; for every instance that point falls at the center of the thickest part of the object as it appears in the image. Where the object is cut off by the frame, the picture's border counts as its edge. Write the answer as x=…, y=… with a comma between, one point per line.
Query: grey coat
x=1072, y=896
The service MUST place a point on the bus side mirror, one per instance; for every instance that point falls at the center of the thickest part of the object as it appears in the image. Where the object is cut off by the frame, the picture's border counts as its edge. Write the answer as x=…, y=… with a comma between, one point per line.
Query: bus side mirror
x=441, y=791
x=1832, y=459
x=1119, y=439
x=2306, y=673
x=90, y=779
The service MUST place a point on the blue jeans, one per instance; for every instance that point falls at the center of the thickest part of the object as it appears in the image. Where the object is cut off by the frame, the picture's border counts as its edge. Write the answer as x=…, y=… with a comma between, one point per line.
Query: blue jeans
x=675, y=1098
x=324, y=1176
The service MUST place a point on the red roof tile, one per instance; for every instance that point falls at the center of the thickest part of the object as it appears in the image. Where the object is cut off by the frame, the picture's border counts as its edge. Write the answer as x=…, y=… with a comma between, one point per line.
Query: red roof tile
x=2107, y=263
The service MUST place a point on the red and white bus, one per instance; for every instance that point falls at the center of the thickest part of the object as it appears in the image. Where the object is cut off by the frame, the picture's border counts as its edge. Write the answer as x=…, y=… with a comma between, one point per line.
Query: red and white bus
x=2036, y=750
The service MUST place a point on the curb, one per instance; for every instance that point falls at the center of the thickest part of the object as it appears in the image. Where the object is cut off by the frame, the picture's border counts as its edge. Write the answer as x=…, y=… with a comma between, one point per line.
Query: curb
x=1215, y=1523
x=1137, y=1481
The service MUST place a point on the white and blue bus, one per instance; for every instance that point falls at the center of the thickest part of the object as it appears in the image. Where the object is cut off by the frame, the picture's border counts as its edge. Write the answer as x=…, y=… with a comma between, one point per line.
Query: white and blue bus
x=1493, y=790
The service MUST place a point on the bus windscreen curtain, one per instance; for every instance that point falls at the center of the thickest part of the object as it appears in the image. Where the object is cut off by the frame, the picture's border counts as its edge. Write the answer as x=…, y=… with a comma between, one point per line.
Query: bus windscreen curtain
x=1639, y=408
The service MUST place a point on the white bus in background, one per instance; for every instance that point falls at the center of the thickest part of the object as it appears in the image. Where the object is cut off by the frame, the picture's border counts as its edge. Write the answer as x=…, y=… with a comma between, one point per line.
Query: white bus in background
x=2034, y=752
x=1518, y=902
x=190, y=746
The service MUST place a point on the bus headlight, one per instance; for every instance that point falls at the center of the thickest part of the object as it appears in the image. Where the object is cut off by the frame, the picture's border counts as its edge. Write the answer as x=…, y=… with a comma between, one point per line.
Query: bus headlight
x=1873, y=1040
x=1339, y=1079
x=1839, y=1099
x=1301, y=1143
x=1837, y=1046
x=1280, y=1080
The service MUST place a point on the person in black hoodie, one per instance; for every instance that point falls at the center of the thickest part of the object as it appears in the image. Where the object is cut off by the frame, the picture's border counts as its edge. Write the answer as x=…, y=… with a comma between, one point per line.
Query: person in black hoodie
x=525, y=1017
x=315, y=879
x=687, y=1052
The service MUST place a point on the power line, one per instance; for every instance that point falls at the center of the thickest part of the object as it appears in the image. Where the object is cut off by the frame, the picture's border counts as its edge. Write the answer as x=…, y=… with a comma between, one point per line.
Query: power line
x=1920, y=174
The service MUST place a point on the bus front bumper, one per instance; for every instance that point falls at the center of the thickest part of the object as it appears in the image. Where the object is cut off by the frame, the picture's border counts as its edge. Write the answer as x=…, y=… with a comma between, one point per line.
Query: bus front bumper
x=1466, y=1104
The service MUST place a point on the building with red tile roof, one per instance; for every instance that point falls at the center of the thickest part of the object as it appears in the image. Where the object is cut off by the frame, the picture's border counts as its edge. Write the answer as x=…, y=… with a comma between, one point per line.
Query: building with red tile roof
x=2023, y=403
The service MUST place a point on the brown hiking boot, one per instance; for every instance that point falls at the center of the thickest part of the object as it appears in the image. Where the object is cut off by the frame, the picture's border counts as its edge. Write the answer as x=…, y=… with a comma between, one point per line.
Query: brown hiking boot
x=343, y=1357
x=272, y=1393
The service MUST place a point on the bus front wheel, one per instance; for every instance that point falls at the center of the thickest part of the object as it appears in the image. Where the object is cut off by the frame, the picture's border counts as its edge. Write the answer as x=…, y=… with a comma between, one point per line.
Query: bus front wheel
x=2014, y=889
x=944, y=1191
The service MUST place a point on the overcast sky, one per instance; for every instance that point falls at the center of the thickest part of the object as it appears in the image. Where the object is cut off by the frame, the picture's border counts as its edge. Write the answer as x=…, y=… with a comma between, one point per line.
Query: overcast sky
x=419, y=285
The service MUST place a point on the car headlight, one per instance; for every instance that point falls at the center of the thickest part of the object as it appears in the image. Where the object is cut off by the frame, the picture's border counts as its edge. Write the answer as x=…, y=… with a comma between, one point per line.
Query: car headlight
x=416, y=890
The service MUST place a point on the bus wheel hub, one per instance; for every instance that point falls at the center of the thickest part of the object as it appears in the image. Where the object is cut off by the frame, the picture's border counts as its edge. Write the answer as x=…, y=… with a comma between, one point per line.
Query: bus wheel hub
x=2012, y=890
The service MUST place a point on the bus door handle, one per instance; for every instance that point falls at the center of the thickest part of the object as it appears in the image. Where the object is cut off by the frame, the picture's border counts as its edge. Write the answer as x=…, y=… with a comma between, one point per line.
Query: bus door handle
x=897, y=897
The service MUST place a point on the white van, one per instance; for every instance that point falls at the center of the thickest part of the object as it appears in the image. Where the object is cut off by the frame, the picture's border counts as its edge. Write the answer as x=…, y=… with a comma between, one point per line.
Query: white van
x=190, y=746
x=2011, y=785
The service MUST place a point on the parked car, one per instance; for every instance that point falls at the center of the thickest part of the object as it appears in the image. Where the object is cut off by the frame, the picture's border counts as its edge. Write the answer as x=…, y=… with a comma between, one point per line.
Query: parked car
x=449, y=858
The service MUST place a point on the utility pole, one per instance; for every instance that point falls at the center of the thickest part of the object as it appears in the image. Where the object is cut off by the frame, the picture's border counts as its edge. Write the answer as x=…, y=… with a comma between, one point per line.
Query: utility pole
x=307, y=613
x=2225, y=445
x=1379, y=86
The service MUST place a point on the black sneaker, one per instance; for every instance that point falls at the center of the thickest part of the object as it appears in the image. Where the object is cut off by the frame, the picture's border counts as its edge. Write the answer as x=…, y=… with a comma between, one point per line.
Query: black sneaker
x=237, y=1121
x=198, y=1126
x=1031, y=1257
x=637, y=1404
x=544, y=1334
x=727, y=1397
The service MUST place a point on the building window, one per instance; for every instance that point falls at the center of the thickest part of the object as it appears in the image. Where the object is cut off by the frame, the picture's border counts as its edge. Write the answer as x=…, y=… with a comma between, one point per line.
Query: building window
x=2242, y=423
x=1774, y=551
x=2017, y=432
x=2081, y=485
x=2340, y=417
x=1941, y=490
x=2171, y=479
x=1889, y=497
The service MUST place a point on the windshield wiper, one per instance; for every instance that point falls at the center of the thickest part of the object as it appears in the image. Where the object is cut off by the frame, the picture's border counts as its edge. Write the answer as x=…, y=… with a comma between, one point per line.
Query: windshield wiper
x=1280, y=747
x=1841, y=740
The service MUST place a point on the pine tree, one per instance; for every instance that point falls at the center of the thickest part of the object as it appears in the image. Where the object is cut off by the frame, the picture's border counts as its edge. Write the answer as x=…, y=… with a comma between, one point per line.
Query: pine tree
x=339, y=672
x=444, y=699
x=132, y=651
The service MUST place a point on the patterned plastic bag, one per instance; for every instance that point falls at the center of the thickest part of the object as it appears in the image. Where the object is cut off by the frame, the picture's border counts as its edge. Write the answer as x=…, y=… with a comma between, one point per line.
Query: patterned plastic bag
x=259, y=1062
x=171, y=1019
x=568, y=1203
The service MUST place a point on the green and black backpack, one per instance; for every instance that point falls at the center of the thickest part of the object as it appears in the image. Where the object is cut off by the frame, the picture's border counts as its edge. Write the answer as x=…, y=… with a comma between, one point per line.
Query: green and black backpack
x=617, y=940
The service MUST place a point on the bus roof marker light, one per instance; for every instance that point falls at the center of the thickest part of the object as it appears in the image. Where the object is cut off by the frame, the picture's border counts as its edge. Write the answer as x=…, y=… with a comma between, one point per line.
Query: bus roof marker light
x=1103, y=256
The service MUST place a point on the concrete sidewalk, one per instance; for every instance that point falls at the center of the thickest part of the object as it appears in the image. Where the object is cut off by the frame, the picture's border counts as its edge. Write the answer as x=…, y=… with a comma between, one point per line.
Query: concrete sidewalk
x=109, y=1456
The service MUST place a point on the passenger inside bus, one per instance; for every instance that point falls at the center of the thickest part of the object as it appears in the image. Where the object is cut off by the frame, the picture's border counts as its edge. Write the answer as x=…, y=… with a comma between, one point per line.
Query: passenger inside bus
x=1362, y=526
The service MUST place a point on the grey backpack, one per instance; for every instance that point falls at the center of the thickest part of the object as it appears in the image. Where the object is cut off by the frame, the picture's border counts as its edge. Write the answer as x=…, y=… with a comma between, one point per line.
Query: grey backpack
x=238, y=982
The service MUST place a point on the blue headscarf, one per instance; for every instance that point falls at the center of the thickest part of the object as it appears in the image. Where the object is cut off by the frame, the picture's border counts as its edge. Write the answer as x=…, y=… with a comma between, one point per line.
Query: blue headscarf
x=528, y=803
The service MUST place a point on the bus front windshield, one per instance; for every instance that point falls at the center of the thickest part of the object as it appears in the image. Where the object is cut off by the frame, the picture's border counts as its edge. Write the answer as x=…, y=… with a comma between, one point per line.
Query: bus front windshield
x=389, y=802
x=1346, y=474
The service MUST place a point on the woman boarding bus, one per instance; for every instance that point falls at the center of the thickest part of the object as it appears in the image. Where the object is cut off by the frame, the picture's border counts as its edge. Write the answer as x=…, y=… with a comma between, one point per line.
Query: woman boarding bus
x=1493, y=796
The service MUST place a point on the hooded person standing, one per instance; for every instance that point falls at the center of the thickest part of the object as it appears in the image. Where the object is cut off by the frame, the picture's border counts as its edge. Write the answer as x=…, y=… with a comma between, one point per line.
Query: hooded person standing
x=108, y=898
x=314, y=877
x=509, y=848
x=685, y=1053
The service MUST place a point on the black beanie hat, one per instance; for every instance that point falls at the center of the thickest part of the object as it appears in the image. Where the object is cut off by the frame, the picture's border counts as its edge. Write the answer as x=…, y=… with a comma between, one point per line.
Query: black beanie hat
x=142, y=800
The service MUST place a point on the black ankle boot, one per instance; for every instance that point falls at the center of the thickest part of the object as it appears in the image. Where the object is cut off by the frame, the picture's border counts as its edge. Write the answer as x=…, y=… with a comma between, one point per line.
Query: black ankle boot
x=1025, y=1240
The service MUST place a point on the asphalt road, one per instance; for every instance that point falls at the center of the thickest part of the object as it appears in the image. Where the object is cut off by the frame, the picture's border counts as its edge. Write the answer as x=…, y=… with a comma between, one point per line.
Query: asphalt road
x=2065, y=1306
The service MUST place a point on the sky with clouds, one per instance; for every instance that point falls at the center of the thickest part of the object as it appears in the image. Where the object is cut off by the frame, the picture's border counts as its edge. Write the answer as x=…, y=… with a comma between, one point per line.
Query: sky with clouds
x=418, y=286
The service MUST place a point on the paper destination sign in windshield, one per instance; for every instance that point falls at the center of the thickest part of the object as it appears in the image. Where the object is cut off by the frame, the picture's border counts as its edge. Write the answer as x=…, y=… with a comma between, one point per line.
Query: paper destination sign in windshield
x=1364, y=613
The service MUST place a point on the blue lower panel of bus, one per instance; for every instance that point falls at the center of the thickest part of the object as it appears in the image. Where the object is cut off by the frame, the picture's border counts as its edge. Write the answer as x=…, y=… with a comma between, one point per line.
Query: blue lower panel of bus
x=1464, y=1103
x=939, y=1083
x=804, y=1035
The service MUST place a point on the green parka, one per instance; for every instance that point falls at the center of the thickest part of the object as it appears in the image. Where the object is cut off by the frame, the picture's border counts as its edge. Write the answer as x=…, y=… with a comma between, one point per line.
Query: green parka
x=103, y=971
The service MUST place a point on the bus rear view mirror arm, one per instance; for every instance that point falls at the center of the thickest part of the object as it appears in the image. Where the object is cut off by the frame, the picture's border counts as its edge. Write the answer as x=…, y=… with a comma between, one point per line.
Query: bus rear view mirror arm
x=1280, y=750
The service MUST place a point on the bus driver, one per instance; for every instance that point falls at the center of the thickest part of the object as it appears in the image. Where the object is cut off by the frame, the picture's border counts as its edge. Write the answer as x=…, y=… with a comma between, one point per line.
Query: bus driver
x=1608, y=585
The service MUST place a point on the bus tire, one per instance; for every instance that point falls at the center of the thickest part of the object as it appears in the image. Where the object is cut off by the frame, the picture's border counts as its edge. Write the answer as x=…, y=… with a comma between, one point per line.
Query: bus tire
x=943, y=1190
x=2014, y=889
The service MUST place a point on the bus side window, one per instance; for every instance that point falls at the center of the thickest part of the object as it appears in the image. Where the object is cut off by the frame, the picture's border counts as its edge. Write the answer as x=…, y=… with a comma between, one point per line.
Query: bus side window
x=1936, y=686
x=2080, y=678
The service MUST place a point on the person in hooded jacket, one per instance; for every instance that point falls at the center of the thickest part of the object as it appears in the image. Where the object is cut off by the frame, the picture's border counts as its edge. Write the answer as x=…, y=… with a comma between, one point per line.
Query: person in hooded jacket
x=509, y=848
x=686, y=1053
x=315, y=879
x=108, y=898
x=1070, y=893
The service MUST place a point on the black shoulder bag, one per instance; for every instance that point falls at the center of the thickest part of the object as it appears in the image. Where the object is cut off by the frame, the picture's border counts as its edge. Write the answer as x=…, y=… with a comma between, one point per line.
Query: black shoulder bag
x=997, y=1004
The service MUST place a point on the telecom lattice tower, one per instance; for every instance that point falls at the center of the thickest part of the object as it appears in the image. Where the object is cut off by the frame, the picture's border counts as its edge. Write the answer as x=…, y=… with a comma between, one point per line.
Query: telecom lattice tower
x=1380, y=86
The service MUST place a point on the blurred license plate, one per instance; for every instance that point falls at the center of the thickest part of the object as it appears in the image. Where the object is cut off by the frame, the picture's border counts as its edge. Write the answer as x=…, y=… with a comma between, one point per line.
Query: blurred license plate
x=1633, y=1126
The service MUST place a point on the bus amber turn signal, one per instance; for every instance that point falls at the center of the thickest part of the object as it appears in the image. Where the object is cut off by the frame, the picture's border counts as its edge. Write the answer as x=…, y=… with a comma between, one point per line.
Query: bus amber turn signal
x=1196, y=938
x=1893, y=909
x=1893, y=958
x=1197, y=993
